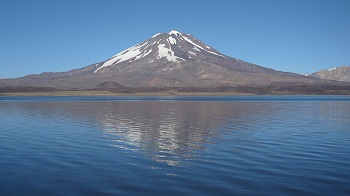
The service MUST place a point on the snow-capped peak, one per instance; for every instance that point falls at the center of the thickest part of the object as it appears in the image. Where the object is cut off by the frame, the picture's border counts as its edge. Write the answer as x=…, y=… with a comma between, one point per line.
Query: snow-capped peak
x=174, y=32
x=331, y=69
x=173, y=46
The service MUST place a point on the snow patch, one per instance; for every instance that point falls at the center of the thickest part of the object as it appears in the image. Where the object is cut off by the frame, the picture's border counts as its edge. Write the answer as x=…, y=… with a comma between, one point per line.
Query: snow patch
x=156, y=35
x=215, y=53
x=331, y=69
x=125, y=55
x=194, y=44
x=196, y=49
x=198, y=46
x=147, y=53
x=144, y=53
x=172, y=40
x=193, y=53
x=167, y=53
x=167, y=68
x=168, y=42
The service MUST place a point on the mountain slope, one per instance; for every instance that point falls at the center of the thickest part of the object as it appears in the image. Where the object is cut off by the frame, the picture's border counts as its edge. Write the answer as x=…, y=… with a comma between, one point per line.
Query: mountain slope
x=171, y=59
x=337, y=73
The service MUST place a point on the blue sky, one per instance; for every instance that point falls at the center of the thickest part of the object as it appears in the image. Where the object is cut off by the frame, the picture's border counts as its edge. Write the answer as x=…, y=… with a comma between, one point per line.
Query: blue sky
x=287, y=35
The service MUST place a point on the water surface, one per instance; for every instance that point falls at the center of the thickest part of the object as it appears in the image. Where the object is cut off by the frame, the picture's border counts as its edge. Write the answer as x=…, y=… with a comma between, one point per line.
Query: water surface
x=255, y=145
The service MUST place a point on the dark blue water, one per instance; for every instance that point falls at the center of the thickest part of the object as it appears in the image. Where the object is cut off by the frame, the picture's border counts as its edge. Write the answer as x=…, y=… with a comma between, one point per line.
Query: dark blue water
x=255, y=145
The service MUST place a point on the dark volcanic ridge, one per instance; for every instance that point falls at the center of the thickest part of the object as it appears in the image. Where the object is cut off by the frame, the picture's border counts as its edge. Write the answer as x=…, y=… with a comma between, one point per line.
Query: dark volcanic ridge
x=167, y=60
x=110, y=85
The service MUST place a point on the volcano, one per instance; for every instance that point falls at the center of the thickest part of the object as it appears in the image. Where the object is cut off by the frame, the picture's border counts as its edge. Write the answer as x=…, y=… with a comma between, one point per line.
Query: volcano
x=171, y=59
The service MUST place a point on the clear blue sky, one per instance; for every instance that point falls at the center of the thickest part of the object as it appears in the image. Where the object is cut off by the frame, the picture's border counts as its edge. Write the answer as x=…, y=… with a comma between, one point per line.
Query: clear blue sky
x=58, y=35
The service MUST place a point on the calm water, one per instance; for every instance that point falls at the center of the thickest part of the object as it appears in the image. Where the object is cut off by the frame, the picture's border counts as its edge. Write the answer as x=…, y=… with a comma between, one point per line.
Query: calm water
x=220, y=145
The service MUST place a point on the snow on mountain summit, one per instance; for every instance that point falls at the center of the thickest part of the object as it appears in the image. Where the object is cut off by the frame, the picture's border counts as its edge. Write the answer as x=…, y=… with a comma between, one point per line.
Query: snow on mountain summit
x=174, y=32
x=173, y=47
x=331, y=69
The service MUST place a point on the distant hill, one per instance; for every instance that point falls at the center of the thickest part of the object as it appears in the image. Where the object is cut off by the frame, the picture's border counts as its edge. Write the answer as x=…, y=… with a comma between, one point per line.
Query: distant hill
x=110, y=85
x=338, y=73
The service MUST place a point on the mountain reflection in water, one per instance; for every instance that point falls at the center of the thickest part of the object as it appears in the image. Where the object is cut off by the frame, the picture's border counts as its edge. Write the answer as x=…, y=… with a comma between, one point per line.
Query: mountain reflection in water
x=165, y=131
x=173, y=132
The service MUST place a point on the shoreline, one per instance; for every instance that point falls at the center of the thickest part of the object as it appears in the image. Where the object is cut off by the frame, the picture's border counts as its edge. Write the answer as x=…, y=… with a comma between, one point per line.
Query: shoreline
x=116, y=94
x=166, y=93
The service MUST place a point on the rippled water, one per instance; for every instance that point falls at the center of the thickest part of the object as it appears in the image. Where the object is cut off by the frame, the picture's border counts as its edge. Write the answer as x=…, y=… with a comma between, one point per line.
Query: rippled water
x=192, y=145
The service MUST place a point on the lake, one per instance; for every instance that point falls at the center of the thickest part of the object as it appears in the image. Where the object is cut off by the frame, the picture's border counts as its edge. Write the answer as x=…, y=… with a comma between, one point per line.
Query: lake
x=243, y=145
